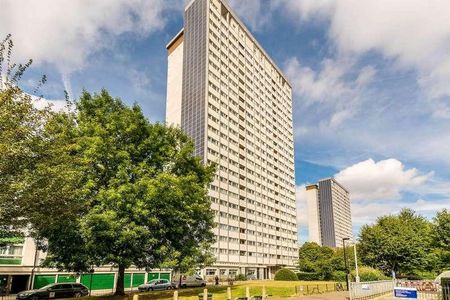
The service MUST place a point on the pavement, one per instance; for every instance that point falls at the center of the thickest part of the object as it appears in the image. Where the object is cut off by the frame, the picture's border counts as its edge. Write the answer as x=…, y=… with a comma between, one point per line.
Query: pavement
x=327, y=296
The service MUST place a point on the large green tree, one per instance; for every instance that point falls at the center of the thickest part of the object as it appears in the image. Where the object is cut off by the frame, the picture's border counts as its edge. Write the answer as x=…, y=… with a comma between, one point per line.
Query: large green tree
x=397, y=243
x=37, y=173
x=441, y=241
x=145, y=193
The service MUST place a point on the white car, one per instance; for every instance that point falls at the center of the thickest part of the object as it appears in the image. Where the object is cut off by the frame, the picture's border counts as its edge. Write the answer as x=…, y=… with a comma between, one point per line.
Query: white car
x=189, y=281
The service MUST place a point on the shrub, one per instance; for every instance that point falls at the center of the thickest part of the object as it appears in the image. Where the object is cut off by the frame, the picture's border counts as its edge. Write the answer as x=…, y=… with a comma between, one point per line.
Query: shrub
x=309, y=276
x=240, y=277
x=370, y=274
x=285, y=275
x=338, y=276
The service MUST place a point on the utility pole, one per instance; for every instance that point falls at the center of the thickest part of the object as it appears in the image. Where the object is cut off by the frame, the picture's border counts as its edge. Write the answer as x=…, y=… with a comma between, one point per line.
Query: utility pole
x=356, y=264
x=347, y=277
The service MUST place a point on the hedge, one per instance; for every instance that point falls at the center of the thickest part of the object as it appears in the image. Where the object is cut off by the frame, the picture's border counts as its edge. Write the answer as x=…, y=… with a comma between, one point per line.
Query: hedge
x=370, y=274
x=285, y=275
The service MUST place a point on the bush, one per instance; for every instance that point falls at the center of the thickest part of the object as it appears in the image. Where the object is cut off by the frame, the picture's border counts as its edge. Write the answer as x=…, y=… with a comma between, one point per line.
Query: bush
x=338, y=276
x=285, y=275
x=370, y=274
x=309, y=276
x=240, y=277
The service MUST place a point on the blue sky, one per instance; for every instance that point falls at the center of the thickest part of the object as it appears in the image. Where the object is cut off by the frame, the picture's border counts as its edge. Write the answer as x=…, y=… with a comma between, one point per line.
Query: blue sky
x=370, y=79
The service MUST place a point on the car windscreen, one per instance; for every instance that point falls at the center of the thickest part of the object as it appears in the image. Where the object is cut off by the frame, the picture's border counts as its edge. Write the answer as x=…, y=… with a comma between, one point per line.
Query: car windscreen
x=47, y=286
x=152, y=281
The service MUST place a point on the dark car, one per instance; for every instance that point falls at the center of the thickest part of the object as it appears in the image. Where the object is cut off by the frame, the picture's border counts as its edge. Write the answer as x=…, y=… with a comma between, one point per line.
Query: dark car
x=55, y=290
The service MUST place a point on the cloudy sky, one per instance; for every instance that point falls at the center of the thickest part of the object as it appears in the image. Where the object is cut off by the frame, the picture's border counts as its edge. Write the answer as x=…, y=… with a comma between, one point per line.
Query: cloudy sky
x=370, y=77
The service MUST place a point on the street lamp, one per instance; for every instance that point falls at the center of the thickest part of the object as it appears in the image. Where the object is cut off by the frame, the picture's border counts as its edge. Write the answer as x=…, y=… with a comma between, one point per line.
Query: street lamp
x=356, y=264
x=346, y=263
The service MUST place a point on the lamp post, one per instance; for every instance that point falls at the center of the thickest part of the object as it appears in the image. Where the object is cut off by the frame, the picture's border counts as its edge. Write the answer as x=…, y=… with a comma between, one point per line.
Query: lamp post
x=346, y=263
x=356, y=264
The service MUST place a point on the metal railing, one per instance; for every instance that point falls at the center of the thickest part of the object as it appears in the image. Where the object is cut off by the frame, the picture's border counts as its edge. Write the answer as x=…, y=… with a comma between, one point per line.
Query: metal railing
x=426, y=290
x=370, y=290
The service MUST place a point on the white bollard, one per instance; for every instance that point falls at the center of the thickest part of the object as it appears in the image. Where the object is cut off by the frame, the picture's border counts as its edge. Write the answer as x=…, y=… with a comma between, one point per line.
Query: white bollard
x=175, y=295
x=247, y=293
x=136, y=297
x=229, y=293
x=205, y=294
x=264, y=295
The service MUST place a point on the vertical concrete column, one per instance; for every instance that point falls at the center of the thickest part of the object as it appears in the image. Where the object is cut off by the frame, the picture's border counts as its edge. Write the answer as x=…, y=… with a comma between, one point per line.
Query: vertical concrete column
x=264, y=294
x=175, y=295
x=247, y=293
x=229, y=293
x=8, y=284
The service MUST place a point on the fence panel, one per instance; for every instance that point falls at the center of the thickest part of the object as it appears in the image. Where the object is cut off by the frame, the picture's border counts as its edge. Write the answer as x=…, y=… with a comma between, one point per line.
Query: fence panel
x=370, y=290
x=426, y=289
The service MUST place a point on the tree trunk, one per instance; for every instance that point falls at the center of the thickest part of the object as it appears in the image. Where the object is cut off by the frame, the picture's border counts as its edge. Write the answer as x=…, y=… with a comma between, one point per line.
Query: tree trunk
x=120, y=290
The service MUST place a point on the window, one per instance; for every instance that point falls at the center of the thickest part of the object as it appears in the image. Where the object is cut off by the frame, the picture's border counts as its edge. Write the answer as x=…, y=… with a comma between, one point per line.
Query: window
x=210, y=272
x=11, y=250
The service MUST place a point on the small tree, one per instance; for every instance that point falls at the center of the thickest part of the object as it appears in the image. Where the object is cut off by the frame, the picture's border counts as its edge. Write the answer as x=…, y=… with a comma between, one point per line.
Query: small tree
x=396, y=243
x=285, y=275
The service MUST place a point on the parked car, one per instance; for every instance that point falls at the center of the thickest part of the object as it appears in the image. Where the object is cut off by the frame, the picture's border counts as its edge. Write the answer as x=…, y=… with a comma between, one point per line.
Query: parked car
x=55, y=290
x=156, y=284
x=189, y=281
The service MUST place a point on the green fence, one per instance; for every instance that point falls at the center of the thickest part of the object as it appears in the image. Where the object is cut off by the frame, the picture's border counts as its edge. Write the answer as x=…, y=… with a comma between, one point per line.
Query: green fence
x=159, y=275
x=43, y=280
x=138, y=279
x=99, y=281
x=66, y=278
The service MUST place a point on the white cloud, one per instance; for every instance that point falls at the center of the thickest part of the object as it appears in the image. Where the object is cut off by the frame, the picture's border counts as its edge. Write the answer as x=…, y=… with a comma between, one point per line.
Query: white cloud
x=55, y=105
x=367, y=212
x=66, y=33
x=251, y=12
x=330, y=87
x=413, y=33
x=385, y=179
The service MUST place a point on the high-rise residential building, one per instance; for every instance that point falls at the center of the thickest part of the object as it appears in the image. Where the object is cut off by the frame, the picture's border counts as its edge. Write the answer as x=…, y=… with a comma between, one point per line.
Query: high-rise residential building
x=329, y=214
x=231, y=98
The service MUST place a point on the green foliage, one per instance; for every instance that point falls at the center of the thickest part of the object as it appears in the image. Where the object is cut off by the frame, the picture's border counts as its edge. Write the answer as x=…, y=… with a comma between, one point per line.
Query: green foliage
x=396, y=243
x=38, y=176
x=338, y=276
x=145, y=194
x=323, y=260
x=311, y=256
x=439, y=259
x=441, y=230
x=369, y=274
x=285, y=275
x=240, y=277
x=309, y=276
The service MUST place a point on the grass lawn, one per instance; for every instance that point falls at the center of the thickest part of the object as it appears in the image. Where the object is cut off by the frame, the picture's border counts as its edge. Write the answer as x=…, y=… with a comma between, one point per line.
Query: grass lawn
x=274, y=288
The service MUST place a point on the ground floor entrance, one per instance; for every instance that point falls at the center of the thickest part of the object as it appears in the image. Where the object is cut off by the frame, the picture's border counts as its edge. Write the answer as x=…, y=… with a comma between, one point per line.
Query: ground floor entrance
x=12, y=284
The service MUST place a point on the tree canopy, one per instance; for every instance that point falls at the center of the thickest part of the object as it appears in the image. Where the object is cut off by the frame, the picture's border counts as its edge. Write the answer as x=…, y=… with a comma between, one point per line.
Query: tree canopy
x=408, y=244
x=145, y=194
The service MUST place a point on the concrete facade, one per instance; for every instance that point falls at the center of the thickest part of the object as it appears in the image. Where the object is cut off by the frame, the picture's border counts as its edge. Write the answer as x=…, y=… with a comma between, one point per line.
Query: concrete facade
x=312, y=200
x=174, y=80
x=329, y=213
x=237, y=106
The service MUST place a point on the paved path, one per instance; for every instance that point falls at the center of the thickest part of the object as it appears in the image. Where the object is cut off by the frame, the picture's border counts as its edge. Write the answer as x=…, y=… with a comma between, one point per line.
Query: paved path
x=326, y=296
